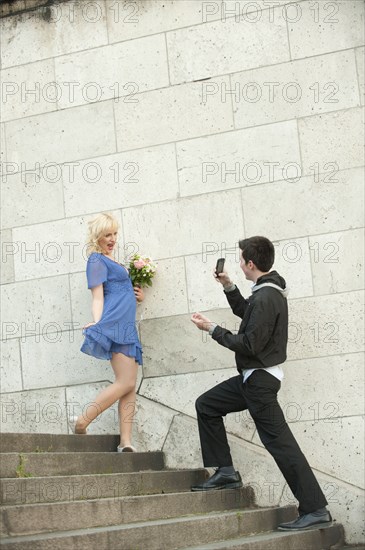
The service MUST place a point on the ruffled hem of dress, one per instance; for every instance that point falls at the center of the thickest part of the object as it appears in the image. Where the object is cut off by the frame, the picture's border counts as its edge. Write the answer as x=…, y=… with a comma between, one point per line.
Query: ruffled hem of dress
x=95, y=349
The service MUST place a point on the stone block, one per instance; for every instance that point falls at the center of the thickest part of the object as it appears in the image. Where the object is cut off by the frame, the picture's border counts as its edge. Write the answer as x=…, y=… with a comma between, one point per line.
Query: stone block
x=33, y=307
x=337, y=261
x=121, y=180
x=11, y=369
x=112, y=72
x=323, y=389
x=194, y=54
x=79, y=397
x=293, y=262
x=335, y=209
x=38, y=411
x=7, y=251
x=180, y=391
x=2, y=144
x=325, y=325
x=173, y=345
x=347, y=507
x=81, y=299
x=204, y=291
x=128, y=20
x=56, y=360
x=360, y=62
x=258, y=470
x=332, y=139
x=335, y=448
x=323, y=28
x=168, y=295
x=216, y=162
x=28, y=90
x=151, y=425
x=345, y=502
x=182, y=445
x=32, y=189
x=339, y=450
x=56, y=137
x=185, y=226
x=59, y=247
x=186, y=115
x=54, y=30
x=297, y=89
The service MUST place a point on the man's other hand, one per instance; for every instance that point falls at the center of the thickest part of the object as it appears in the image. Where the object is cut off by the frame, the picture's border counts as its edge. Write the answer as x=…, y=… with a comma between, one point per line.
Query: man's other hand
x=202, y=322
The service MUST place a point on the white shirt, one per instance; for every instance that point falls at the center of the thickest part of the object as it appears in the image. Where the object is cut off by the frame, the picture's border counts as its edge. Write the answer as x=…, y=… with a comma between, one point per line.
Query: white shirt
x=276, y=371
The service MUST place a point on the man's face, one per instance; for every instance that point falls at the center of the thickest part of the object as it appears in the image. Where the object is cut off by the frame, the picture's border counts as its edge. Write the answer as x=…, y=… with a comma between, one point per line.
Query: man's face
x=246, y=267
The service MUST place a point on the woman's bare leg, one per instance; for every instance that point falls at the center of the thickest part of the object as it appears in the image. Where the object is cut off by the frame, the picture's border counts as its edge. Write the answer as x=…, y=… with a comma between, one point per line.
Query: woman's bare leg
x=126, y=410
x=125, y=370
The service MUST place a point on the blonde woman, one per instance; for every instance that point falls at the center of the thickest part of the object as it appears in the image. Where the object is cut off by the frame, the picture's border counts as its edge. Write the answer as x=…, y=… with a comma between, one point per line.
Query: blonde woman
x=112, y=334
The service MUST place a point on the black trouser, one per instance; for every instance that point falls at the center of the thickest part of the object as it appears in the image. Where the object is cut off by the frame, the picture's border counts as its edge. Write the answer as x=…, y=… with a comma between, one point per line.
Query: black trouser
x=259, y=395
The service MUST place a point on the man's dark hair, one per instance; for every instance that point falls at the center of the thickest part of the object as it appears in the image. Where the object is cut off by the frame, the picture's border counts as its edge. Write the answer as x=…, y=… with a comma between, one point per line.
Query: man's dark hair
x=259, y=250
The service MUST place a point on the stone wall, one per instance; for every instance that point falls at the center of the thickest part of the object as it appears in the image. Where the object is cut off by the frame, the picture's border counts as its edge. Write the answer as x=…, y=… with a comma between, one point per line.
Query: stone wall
x=196, y=123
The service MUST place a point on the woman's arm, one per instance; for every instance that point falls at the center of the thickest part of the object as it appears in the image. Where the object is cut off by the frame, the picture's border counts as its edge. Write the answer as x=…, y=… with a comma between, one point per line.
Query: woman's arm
x=97, y=304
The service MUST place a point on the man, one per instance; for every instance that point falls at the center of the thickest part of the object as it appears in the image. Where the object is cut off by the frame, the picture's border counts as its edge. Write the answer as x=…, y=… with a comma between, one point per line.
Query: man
x=260, y=349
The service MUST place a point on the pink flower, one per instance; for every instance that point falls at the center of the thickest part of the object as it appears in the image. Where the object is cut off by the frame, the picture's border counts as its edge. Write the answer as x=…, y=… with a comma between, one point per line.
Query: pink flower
x=138, y=264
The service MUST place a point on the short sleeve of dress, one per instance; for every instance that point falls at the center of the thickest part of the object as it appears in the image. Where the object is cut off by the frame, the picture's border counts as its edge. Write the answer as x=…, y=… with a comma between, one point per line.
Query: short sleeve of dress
x=96, y=271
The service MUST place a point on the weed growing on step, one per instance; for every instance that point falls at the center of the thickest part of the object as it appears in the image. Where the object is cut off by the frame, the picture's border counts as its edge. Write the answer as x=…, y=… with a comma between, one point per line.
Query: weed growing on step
x=39, y=450
x=20, y=470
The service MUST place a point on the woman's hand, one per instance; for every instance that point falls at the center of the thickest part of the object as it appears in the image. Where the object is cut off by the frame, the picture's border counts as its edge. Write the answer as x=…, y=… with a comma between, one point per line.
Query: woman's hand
x=139, y=294
x=88, y=325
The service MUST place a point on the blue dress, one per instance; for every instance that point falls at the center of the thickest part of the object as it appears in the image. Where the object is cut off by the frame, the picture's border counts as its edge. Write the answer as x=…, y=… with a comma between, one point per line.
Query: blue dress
x=116, y=331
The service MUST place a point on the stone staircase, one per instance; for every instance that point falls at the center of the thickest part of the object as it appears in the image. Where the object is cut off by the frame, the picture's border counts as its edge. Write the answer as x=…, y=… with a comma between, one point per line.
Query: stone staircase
x=76, y=493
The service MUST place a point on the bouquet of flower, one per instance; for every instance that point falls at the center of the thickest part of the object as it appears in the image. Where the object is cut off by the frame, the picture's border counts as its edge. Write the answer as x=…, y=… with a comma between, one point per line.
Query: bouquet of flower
x=141, y=270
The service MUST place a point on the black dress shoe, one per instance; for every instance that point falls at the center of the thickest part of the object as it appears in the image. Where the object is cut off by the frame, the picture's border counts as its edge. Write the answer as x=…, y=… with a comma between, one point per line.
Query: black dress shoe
x=220, y=481
x=308, y=521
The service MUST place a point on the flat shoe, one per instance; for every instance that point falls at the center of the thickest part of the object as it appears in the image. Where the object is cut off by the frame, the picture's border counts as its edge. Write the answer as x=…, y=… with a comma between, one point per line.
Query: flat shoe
x=72, y=425
x=126, y=449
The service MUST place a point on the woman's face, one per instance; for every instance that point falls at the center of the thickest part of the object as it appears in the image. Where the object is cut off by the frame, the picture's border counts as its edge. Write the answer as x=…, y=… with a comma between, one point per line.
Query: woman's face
x=108, y=241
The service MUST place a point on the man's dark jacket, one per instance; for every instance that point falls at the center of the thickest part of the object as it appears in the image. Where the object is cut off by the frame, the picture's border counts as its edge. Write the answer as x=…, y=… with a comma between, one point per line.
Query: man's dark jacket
x=263, y=334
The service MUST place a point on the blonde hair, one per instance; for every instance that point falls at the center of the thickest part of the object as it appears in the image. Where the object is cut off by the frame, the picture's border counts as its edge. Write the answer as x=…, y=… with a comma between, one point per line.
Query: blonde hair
x=97, y=228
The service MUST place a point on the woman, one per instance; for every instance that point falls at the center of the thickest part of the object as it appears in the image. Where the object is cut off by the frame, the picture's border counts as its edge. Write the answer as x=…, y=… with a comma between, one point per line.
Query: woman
x=112, y=335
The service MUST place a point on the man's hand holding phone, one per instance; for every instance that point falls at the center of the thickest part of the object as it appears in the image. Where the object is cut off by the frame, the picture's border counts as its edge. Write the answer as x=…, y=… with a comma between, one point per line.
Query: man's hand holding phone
x=220, y=275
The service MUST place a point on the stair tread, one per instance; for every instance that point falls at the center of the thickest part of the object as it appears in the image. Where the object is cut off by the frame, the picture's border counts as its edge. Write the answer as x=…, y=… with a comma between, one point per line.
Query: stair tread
x=259, y=537
x=141, y=524
x=107, y=475
x=25, y=519
x=62, y=463
x=35, y=490
x=150, y=507
x=79, y=455
x=49, y=443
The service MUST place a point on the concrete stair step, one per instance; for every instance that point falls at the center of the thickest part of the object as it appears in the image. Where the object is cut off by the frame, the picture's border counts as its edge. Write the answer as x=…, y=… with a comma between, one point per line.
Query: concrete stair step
x=84, y=487
x=159, y=534
x=41, y=443
x=53, y=464
x=70, y=492
x=327, y=538
x=41, y=518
